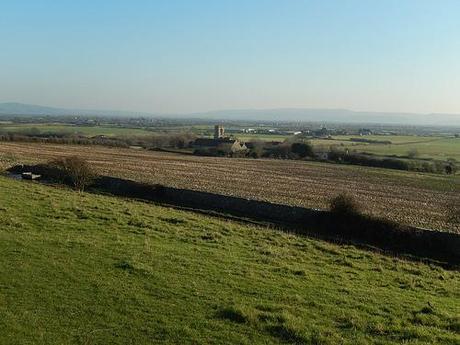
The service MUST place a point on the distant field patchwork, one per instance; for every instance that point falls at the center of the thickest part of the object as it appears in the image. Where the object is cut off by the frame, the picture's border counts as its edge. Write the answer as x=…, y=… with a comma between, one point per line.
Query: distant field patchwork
x=441, y=148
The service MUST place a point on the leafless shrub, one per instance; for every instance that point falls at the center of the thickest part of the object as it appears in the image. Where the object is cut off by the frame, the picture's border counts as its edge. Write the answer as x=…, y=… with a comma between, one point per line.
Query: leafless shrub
x=73, y=170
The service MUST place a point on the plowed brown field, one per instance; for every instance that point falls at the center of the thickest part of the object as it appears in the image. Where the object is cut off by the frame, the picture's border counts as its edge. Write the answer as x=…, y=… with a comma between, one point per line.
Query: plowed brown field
x=410, y=198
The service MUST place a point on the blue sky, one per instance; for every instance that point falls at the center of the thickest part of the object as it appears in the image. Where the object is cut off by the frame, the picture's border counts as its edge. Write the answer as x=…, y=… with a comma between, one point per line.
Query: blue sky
x=186, y=56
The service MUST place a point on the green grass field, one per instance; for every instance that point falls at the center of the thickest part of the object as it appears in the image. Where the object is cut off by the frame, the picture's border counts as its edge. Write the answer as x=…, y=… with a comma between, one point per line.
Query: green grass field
x=441, y=148
x=395, y=139
x=71, y=129
x=89, y=269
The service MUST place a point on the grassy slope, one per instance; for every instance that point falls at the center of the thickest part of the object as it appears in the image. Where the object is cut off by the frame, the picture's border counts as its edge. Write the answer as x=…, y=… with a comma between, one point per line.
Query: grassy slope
x=86, y=269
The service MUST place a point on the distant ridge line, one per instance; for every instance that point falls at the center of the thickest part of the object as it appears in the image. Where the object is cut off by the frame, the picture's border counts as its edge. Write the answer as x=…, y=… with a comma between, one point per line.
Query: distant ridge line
x=272, y=115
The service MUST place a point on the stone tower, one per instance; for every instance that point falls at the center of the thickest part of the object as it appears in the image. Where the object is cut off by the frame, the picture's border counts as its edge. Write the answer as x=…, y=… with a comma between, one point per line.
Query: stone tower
x=219, y=132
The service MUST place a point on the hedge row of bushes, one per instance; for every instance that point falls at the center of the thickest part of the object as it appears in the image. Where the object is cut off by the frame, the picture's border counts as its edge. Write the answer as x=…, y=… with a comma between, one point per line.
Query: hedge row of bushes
x=74, y=140
x=437, y=167
x=285, y=150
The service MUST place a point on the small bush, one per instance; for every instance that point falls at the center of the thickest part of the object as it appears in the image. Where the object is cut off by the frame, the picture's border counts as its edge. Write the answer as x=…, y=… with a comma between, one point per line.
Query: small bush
x=413, y=153
x=345, y=205
x=74, y=171
x=302, y=149
x=453, y=211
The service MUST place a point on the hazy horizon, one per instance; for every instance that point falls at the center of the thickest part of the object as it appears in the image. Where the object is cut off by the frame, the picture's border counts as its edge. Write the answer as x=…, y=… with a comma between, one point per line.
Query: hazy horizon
x=174, y=57
x=219, y=110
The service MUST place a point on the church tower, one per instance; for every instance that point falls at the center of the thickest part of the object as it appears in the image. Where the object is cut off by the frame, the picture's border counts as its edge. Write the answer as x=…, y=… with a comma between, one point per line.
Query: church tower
x=218, y=132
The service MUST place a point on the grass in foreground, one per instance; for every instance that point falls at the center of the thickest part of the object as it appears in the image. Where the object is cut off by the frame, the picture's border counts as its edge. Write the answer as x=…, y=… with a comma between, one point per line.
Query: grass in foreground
x=87, y=269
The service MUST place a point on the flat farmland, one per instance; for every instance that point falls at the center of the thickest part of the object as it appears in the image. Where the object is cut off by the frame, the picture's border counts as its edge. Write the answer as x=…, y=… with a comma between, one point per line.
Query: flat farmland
x=441, y=148
x=411, y=198
x=87, y=131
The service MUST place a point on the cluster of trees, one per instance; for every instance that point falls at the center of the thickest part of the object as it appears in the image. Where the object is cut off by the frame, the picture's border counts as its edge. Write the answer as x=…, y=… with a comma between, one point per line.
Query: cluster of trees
x=263, y=149
x=285, y=150
x=170, y=140
x=371, y=141
x=219, y=151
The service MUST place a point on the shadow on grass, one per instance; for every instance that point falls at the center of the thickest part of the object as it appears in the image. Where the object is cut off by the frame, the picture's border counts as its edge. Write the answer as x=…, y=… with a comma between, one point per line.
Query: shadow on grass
x=232, y=314
x=337, y=226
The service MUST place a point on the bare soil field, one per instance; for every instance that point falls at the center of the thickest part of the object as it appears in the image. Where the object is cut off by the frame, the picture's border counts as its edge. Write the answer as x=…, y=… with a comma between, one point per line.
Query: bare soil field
x=408, y=197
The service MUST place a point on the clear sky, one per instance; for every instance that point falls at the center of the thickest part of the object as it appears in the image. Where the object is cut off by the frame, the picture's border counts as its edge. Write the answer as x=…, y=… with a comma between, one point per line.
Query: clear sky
x=194, y=55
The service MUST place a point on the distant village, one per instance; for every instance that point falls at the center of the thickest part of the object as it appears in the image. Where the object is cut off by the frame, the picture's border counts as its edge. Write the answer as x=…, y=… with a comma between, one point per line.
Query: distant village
x=222, y=144
x=322, y=132
x=219, y=143
x=229, y=145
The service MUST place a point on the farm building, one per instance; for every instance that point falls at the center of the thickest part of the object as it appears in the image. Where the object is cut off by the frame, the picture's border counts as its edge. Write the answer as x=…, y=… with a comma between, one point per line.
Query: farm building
x=219, y=142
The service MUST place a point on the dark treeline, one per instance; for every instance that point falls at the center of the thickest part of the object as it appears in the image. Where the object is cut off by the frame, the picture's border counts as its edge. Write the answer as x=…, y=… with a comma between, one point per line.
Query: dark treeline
x=284, y=150
x=437, y=167
x=371, y=141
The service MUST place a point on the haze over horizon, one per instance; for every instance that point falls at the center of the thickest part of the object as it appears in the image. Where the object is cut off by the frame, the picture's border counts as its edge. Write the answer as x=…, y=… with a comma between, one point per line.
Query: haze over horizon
x=179, y=57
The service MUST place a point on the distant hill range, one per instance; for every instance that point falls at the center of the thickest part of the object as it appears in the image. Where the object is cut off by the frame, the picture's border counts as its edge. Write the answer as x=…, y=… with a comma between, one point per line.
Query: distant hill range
x=277, y=115
x=335, y=115
x=38, y=110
